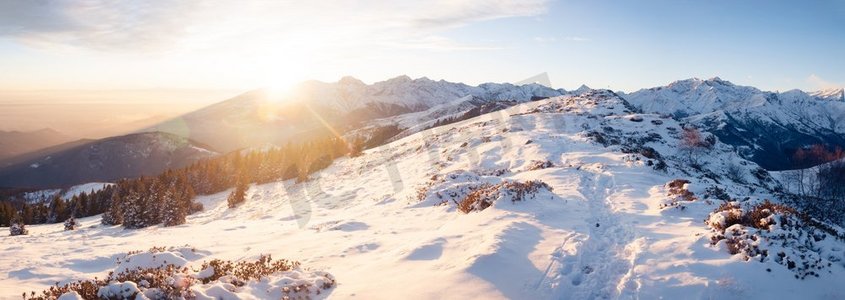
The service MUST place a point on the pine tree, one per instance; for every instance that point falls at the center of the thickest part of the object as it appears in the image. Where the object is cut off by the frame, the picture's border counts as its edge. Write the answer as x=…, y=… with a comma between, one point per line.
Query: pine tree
x=238, y=195
x=152, y=202
x=114, y=213
x=58, y=210
x=82, y=206
x=173, y=209
x=7, y=213
x=133, y=209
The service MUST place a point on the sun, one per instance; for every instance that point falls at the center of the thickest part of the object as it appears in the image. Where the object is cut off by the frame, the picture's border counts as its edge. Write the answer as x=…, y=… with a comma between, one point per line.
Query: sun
x=278, y=93
x=280, y=88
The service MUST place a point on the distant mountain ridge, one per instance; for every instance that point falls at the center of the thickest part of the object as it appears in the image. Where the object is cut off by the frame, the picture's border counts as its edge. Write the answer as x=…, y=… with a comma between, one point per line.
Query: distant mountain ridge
x=766, y=127
x=13, y=143
x=835, y=94
x=105, y=160
x=259, y=117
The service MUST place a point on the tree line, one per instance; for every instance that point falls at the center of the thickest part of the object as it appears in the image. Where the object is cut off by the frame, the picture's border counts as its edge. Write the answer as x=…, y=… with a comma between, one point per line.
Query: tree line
x=168, y=197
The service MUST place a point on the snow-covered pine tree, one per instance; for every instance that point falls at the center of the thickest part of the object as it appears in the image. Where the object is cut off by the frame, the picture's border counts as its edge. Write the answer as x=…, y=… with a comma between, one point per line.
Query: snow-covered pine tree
x=133, y=209
x=114, y=213
x=173, y=209
x=238, y=195
x=71, y=224
x=153, y=200
x=18, y=228
x=186, y=197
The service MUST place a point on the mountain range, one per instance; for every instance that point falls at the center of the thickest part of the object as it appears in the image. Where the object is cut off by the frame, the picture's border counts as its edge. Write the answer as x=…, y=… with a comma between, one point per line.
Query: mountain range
x=13, y=143
x=765, y=127
x=256, y=118
x=103, y=160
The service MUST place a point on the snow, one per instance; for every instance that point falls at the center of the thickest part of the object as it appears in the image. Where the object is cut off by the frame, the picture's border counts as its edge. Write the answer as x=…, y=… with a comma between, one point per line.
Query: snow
x=70, y=296
x=76, y=190
x=41, y=195
x=119, y=290
x=47, y=195
x=155, y=259
x=716, y=99
x=832, y=94
x=598, y=232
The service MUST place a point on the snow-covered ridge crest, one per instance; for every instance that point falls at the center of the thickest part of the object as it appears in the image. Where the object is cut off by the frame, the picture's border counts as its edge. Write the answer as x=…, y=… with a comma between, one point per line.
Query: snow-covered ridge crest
x=831, y=94
x=264, y=116
x=349, y=93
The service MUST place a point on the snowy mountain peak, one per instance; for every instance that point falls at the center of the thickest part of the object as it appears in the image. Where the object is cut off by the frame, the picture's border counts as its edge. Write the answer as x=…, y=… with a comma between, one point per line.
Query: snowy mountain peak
x=400, y=79
x=765, y=124
x=698, y=83
x=248, y=120
x=832, y=94
x=717, y=80
x=582, y=89
x=349, y=80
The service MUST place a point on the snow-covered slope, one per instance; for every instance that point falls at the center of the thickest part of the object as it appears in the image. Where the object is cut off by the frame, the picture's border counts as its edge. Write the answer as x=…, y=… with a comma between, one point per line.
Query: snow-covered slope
x=598, y=223
x=766, y=127
x=84, y=188
x=830, y=94
x=263, y=116
x=67, y=194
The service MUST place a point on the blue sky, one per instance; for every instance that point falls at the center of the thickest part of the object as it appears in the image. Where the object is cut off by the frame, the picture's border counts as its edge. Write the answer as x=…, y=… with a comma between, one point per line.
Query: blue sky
x=631, y=44
x=234, y=45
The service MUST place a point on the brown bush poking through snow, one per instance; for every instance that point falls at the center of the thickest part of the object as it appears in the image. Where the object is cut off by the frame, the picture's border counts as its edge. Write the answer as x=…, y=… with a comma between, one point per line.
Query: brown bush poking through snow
x=759, y=216
x=172, y=282
x=539, y=165
x=484, y=196
x=245, y=270
x=769, y=231
x=678, y=192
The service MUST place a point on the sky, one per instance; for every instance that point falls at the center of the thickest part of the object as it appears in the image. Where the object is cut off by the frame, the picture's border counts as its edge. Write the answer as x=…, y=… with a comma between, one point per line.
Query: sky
x=63, y=51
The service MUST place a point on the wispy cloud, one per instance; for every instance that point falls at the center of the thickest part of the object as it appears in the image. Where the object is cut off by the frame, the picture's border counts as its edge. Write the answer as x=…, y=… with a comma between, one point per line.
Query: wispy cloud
x=576, y=39
x=545, y=39
x=169, y=24
x=819, y=83
x=552, y=39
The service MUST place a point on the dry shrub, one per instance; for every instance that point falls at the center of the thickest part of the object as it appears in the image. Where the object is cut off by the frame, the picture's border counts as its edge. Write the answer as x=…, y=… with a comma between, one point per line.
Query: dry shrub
x=484, y=196
x=677, y=183
x=678, y=193
x=733, y=215
x=165, y=278
x=159, y=278
x=796, y=241
x=245, y=270
x=539, y=165
x=759, y=216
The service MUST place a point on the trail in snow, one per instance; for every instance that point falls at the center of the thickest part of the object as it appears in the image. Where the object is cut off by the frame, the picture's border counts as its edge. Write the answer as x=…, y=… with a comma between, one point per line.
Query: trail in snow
x=596, y=264
x=600, y=262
